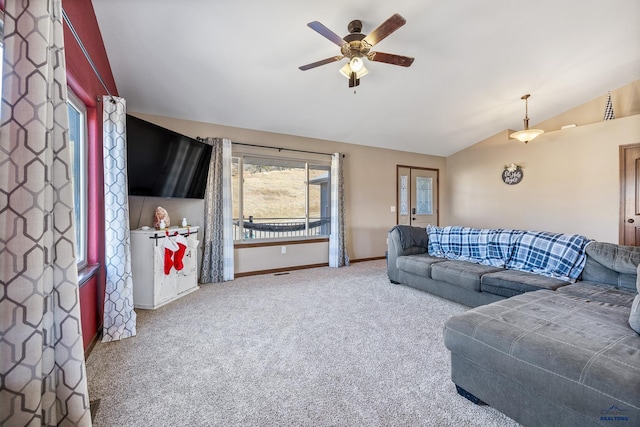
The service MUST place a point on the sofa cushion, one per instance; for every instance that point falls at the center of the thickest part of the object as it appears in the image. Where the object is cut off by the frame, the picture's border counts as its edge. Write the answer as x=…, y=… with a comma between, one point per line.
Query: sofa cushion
x=597, y=292
x=461, y=273
x=612, y=264
x=508, y=283
x=413, y=250
x=417, y=264
x=550, y=254
x=580, y=354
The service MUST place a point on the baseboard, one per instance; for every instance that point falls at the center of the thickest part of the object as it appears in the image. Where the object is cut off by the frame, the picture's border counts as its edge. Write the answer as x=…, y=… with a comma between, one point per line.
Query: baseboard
x=299, y=267
x=376, y=258
x=279, y=270
x=93, y=342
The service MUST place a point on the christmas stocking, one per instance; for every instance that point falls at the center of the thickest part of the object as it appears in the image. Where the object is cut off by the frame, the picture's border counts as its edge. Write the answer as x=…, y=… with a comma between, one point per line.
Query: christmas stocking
x=179, y=253
x=170, y=246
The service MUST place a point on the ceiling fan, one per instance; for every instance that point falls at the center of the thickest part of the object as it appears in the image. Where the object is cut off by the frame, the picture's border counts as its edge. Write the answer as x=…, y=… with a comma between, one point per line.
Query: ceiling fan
x=357, y=46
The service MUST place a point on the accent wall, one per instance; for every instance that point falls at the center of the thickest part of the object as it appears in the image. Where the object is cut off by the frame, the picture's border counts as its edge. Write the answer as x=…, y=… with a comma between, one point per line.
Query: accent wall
x=84, y=83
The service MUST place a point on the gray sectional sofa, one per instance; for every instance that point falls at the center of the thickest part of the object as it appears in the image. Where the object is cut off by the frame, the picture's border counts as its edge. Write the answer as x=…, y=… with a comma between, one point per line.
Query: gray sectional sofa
x=469, y=283
x=543, y=350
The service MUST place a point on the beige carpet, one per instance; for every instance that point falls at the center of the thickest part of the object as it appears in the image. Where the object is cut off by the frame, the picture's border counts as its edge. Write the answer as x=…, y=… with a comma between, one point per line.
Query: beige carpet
x=317, y=347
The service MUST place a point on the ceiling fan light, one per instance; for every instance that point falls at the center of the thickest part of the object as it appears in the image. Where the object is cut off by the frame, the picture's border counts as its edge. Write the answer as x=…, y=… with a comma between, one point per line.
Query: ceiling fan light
x=347, y=70
x=526, y=135
x=356, y=64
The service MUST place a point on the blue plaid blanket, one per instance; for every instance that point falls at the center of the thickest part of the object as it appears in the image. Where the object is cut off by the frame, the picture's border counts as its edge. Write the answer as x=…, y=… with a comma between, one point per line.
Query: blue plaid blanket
x=501, y=245
x=461, y=243
x=549, y=254
x=481, y=246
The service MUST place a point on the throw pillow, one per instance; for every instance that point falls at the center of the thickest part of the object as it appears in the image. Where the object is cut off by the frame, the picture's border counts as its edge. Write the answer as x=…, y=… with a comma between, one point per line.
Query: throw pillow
x=634, y=318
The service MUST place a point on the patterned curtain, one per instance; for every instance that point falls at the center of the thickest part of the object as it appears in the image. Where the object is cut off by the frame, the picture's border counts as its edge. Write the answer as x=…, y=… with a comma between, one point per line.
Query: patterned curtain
x=119, y=318
x=217, y=260
x=338, y=256
x=42, y=358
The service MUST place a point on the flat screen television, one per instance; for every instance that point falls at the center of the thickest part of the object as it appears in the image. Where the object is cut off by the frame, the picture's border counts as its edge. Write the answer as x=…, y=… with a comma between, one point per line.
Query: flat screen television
x=164, y=163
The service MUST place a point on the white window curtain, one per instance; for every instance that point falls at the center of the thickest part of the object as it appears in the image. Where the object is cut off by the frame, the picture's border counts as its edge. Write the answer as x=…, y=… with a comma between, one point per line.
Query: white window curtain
x=338, y=256
x=217, y=259
x=42, y=358
x=119, y=319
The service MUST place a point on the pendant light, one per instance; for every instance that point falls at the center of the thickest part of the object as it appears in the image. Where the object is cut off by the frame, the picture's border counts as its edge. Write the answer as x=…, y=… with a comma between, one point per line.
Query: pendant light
x=527, y=134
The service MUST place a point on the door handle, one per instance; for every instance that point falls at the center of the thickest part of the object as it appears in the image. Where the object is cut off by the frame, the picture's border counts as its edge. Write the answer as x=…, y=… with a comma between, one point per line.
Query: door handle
x=413, y=211
x=631, y=221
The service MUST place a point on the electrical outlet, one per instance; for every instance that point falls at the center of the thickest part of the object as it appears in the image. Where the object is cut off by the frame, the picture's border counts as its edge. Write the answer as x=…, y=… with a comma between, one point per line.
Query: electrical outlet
x=393, y=208
x=283, y=249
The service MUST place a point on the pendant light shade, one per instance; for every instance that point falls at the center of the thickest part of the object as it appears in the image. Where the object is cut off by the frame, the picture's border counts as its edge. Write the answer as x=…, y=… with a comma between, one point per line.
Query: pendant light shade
x=526, y=134
x=356, y=64
x=359, y=69
x=353, y=70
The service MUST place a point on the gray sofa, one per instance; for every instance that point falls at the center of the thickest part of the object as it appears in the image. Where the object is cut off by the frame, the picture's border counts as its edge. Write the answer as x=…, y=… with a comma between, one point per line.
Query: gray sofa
x=409, y=263
x=541, y=350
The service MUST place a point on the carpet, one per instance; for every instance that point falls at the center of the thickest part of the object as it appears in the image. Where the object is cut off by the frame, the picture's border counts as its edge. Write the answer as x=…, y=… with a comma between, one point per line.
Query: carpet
x=316, y=347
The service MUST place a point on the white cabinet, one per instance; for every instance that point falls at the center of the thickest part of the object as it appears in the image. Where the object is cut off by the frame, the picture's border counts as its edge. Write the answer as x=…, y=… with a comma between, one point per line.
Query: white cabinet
x=152, y=287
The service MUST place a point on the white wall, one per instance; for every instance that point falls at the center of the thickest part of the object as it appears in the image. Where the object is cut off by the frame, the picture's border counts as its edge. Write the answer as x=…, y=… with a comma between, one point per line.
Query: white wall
x=265, y=258
x=370, y=191
x=141, y=210
x=571, y=181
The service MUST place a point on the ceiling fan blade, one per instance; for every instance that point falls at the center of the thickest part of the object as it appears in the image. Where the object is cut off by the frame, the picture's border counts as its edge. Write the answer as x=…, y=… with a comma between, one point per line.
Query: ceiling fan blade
x=389, y=58
x=387, y=27
x=324, y=31
x=319, y=63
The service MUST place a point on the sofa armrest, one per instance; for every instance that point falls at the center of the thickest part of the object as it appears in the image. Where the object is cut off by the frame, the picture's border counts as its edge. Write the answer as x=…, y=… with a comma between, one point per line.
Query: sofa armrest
x=395, y=249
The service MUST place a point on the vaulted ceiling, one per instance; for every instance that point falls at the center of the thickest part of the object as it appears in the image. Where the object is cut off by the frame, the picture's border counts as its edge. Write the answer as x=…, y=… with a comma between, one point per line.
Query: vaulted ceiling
x=235, y=63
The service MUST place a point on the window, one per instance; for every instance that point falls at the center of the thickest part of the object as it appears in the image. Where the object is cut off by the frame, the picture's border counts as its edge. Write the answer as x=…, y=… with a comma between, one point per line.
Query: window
x=280, y=198
x=424, y=195
x=78, y=142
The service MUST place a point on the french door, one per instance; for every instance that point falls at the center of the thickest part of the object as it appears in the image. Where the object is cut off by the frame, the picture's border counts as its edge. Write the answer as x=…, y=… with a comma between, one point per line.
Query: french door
x=417, y=196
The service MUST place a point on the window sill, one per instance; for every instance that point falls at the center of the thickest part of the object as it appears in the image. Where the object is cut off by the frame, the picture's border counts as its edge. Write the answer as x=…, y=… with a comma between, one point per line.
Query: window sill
x=88, y=272
x=257, y=244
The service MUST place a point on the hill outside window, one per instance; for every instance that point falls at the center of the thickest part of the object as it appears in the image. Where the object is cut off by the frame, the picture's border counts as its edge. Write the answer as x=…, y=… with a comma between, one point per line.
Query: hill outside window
x=276, y=198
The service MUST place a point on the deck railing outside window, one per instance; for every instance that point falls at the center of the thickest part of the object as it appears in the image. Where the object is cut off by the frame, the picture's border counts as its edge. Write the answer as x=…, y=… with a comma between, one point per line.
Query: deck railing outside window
x=273, y=228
